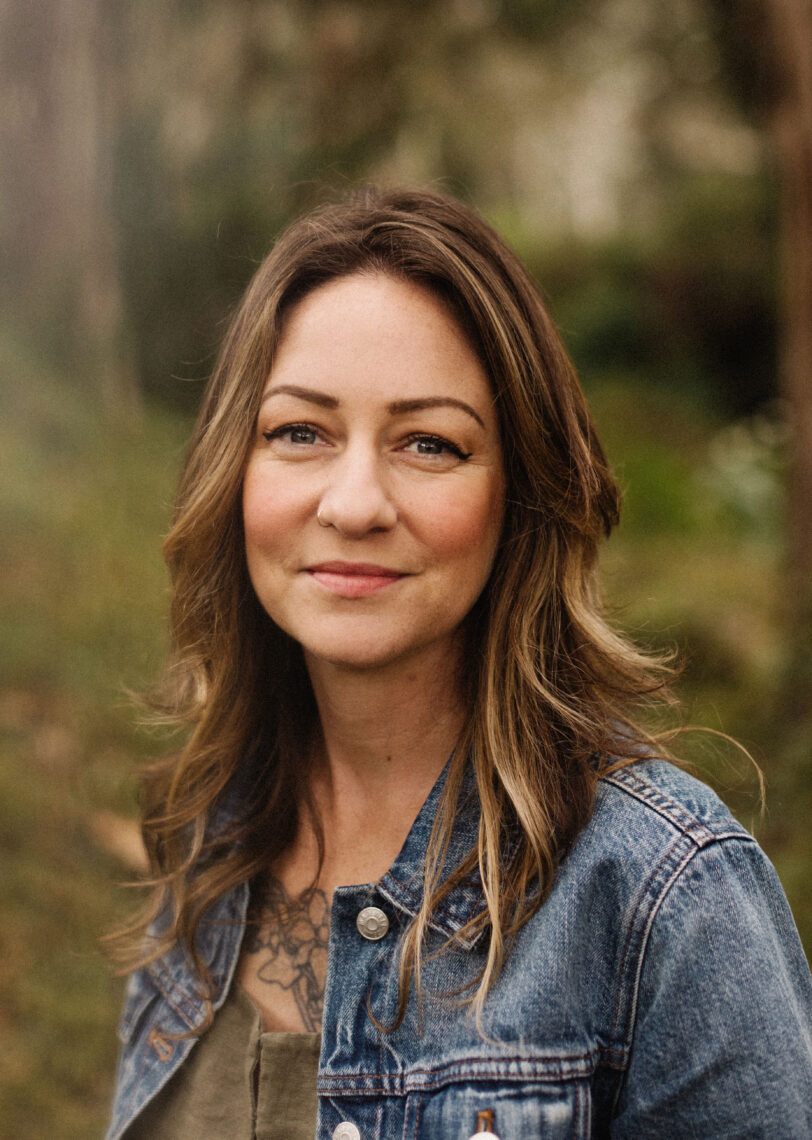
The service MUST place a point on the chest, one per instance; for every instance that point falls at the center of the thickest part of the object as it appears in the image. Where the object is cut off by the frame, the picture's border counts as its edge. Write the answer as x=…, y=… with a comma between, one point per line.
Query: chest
x=283, y=960
x=541, y=1064
x=535, y=1067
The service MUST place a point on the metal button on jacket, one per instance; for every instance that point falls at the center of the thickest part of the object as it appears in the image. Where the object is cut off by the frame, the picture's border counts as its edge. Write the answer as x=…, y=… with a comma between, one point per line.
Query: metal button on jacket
x=373, y=924
x=346, y=1131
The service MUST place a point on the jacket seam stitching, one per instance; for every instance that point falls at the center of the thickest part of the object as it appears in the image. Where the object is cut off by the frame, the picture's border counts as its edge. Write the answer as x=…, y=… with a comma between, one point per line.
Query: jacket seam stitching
x=468, y=1067
x=644, y=936
x=685, y=822
x=413, y=899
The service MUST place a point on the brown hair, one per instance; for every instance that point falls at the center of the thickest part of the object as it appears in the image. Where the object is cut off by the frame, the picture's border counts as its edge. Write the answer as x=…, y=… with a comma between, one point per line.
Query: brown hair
x=552, y=689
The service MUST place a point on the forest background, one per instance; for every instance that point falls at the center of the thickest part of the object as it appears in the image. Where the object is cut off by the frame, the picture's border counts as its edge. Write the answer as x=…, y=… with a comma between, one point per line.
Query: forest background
x=651, y=163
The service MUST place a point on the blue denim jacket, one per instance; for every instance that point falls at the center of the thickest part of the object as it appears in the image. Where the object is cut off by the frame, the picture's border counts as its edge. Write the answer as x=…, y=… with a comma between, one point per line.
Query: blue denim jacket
x=660, y=991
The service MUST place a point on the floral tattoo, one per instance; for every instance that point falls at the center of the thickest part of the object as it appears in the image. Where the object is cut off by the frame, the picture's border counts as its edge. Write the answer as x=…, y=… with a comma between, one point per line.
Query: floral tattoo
x=292, y=934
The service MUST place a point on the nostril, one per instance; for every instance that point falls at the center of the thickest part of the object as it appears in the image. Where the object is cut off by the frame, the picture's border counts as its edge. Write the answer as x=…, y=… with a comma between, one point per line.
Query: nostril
x=356, y=509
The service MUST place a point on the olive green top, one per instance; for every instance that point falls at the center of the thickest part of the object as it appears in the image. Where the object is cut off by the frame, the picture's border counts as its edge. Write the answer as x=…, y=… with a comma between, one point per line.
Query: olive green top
x=239, y=1083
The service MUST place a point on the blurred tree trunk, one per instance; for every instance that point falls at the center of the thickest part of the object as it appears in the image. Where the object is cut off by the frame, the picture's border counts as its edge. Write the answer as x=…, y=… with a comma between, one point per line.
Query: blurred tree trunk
x=791, y=118
x=767, y=47
x=87, y=85
x=60, y=69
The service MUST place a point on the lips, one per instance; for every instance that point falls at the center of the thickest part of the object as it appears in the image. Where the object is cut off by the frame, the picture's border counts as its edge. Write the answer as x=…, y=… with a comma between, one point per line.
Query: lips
x=353, y=579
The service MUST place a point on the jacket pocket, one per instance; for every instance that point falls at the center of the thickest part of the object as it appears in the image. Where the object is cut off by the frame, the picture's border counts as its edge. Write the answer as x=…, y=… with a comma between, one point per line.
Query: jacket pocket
x=531, y=1110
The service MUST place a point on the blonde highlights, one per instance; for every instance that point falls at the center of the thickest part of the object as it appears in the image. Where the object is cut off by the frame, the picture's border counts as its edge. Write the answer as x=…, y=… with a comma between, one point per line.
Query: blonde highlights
x=553, y=692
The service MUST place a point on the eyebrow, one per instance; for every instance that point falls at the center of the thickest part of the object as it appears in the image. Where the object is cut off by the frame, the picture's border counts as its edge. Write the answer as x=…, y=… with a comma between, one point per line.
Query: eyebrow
x=312, y=397
x=396, y=408
x=403, y=407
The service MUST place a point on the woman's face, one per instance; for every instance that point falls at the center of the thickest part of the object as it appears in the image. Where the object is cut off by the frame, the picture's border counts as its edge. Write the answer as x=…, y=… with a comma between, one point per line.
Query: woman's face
x=374, y=493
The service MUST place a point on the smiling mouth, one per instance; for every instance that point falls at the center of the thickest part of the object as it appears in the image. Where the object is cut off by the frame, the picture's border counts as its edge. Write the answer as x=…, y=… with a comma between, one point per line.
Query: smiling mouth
x=353, y=579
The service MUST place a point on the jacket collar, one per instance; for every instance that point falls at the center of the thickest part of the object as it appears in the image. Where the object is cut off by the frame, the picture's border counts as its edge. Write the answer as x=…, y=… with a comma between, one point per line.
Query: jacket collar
x=222, y=928
x=219, y=940
x=403, y=883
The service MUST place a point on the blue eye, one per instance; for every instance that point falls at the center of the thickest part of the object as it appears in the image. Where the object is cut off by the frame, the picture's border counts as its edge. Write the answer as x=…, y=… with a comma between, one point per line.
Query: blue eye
x=431, y=445
x=297, y=434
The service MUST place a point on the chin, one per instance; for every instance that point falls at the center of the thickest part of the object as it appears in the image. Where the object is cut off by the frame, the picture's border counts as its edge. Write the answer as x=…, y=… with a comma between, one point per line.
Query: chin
x=371, y=656
x=358, y=659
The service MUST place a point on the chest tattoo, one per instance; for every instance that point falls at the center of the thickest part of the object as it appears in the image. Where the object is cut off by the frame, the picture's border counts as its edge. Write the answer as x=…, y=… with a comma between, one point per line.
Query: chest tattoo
x=290, y=936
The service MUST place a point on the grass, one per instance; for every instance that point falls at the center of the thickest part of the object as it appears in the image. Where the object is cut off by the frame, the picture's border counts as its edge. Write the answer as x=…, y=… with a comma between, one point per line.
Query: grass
x=698, y=565
x=83, y=507
x=697, y=562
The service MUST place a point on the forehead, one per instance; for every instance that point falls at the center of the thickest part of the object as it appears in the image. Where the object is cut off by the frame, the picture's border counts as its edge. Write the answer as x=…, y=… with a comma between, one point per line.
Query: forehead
x=397, y=331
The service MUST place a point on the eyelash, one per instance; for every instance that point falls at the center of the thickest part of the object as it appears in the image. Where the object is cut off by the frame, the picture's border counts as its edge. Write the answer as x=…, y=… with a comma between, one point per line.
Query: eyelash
x=416, y=437
x=286, y=429
x=446, y=443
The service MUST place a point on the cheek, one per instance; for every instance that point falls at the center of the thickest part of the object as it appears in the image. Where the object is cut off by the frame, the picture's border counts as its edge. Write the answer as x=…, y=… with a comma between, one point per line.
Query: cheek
x=270, y=510
x=257, y=511
x=466, y=527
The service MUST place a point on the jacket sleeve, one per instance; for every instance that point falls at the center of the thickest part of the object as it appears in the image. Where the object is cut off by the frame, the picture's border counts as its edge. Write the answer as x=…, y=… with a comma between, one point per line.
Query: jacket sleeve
x=721, y=1041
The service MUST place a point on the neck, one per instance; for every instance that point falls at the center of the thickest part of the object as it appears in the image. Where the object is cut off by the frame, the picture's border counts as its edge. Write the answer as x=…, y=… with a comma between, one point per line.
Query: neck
x=387, y=735
x=385, y=724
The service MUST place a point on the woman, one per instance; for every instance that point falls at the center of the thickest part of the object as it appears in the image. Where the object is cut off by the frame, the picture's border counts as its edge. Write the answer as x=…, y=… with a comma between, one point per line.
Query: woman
x=389, y=643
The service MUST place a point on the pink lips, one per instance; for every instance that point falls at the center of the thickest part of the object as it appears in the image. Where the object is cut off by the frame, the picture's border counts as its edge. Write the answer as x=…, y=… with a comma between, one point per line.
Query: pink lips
x=353, y=579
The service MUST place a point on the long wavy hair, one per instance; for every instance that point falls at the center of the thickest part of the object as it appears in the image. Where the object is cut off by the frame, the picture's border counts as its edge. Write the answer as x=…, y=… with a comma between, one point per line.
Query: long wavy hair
x=554, y=694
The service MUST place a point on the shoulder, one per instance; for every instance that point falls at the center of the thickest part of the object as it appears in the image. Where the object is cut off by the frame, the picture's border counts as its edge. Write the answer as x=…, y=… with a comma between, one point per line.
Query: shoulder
x=650, y=821
x=660, y=829
x=711, y=1016
x=670, y=857
x=690, y=866
x=658, y=840
x=701, y=908
x=666, y=800
x=164, y=1008
x=653, y=814
x=668, y=881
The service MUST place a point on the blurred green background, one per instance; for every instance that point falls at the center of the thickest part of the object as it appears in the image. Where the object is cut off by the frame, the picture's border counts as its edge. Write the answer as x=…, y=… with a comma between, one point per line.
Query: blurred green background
x=642, y=160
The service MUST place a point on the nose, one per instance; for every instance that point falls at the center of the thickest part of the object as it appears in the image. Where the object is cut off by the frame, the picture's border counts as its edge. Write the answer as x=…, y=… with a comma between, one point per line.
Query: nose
x=356, y=500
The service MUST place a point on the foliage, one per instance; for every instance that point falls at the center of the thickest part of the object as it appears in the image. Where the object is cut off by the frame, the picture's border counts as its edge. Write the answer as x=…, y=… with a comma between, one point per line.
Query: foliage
x=696, y=562
x=82, y=509
x=608, y=139
x=237, y=118
x=691, y=308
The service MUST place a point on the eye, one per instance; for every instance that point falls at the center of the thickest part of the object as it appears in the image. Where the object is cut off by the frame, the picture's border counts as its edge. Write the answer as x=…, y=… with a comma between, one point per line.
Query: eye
x=298, y=435
x=434, y=446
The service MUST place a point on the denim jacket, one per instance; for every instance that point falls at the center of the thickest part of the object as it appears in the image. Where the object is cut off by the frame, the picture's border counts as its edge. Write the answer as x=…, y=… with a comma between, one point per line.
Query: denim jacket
x=660, y=991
